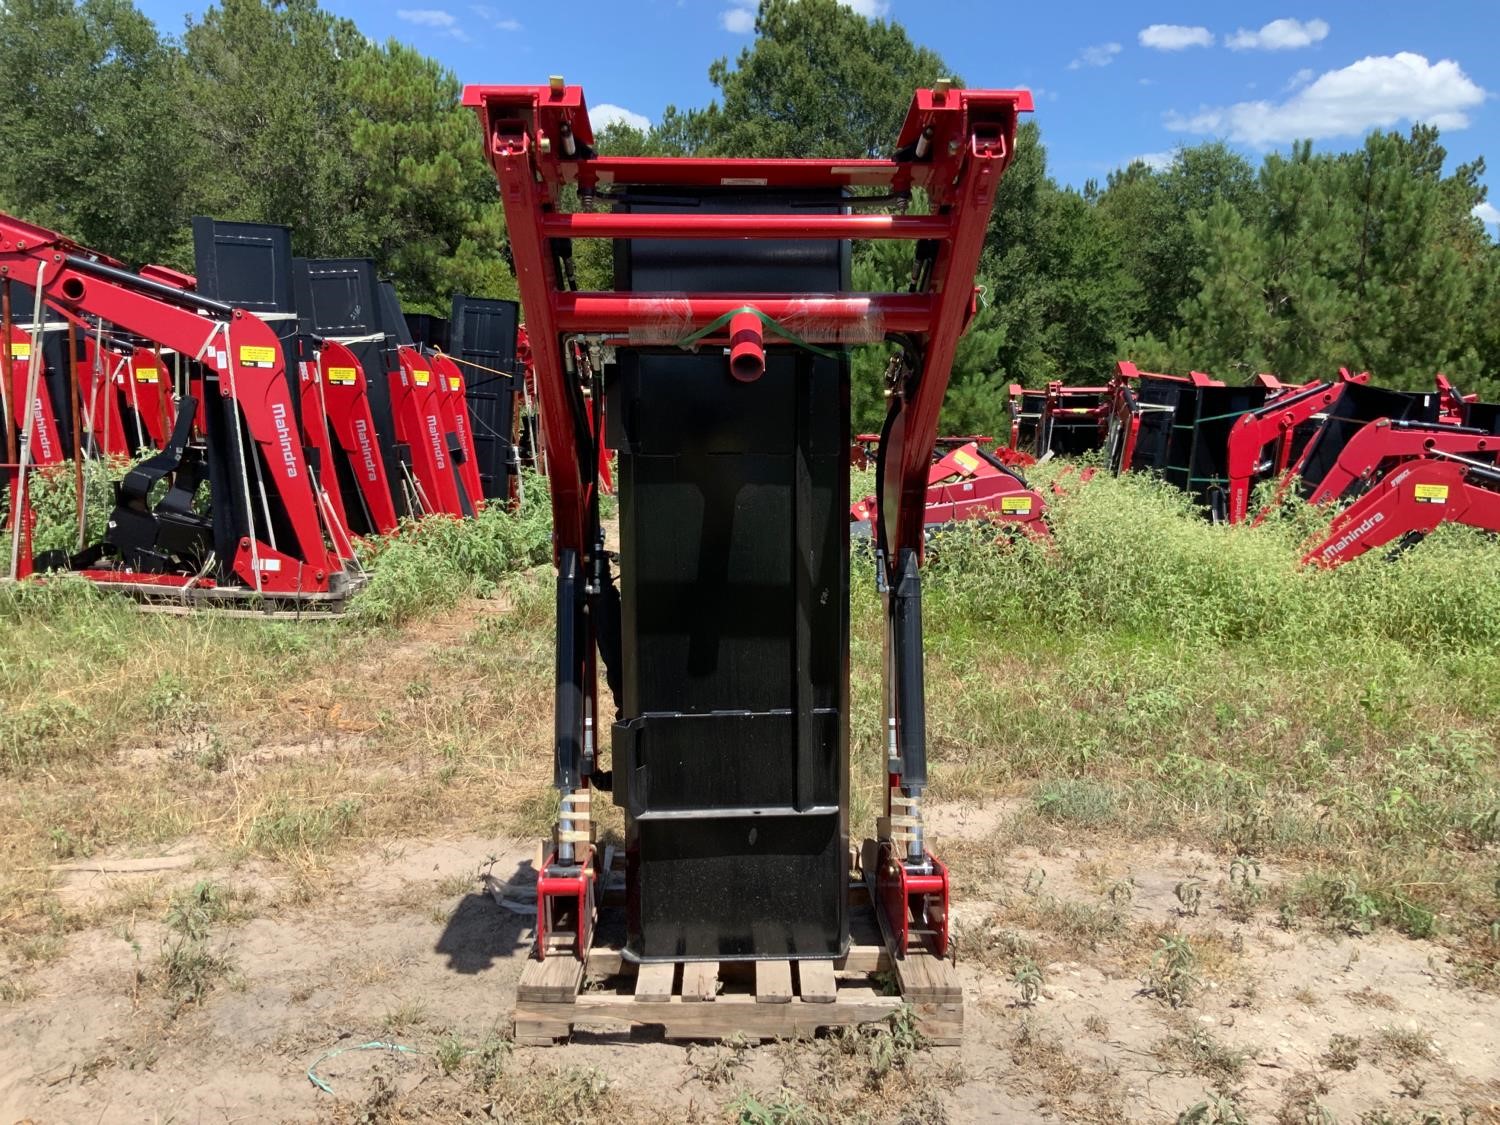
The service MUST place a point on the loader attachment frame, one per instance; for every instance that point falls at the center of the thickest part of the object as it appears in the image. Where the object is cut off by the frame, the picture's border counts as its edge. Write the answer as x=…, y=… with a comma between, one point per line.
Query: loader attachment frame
x=954, y=146
x=1412, y=501
x=1372, y=451
x=267, y=526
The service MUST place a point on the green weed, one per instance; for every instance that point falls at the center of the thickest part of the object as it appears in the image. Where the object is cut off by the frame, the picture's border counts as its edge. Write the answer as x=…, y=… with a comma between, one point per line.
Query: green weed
x=1173, y=975
x=286, y=831
x=432, y=563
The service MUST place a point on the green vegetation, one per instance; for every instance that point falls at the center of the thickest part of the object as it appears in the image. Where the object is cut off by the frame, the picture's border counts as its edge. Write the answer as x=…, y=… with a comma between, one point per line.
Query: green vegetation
x=284, y=112
x=433, y=563
x=1327, y=737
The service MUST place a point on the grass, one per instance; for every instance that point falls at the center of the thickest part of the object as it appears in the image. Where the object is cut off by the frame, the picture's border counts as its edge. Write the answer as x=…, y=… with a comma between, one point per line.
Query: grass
x=1146, y=675
x=434, y=563
x=1152, y=675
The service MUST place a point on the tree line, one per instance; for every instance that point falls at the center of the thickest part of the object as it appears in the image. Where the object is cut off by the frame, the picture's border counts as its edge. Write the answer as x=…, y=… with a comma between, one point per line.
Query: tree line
x=277, y=110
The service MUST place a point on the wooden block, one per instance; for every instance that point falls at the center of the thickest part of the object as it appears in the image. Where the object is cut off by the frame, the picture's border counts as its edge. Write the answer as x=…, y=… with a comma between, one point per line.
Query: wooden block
x=731, y=1015
x=864, y=959
x=817, y=981
x=773, y=982
x=921, y=977
x=653, y=982
x=555, y=980
x=924, y=978
x=942, y=1025
x=700, y=981
x=605, y=962
x=540, y=1033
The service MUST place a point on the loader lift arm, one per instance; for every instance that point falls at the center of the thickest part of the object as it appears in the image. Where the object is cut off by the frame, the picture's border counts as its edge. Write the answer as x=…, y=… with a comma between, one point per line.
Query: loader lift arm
x=1384, y=440
x=267, y=460
x=1412, y=501
x=1275, y=424
x=954, y=146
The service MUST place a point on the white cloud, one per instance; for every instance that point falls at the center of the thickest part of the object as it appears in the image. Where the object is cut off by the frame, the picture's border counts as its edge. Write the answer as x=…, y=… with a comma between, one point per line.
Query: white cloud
x=1301, y=78
x=1101, y=55
x=494, y=19
x=1174, y=37
x=739, y=17
x=1487, y=213
x=1039, y=92
x=741, y=21
x=1156, y=161
x=1373, y=93
x=428, y=17
x=605, y=114
x=1279, y=35
x=435, y=19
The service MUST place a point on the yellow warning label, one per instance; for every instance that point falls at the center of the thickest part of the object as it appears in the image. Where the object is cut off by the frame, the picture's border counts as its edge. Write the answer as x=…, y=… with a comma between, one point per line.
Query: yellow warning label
x=1431, y=493
x=20, y=350
x=147, y=375
x=255, y=355
x=454, y=382
x=421, y=377
x=1015, y=505
x=342, y=375
x=968, y=462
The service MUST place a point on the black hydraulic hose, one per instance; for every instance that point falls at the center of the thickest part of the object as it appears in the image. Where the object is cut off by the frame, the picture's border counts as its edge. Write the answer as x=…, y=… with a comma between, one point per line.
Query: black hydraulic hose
x=568, y=720
x=184, y=297
x=911, y=721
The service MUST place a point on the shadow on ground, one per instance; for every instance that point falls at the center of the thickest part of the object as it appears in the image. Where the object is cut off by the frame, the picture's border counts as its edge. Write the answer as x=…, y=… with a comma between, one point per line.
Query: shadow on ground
x=480, y=931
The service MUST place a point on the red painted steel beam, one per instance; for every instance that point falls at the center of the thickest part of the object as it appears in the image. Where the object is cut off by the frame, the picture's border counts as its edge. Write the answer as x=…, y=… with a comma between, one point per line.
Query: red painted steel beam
x=706, y=172
x=626, y=225
x=556, y=120
x=666, y=318
x=536, y=278
x=905, y=457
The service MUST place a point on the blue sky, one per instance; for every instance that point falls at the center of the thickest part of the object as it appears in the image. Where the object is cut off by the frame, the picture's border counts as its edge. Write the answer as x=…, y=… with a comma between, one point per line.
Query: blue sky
x=1113, y=81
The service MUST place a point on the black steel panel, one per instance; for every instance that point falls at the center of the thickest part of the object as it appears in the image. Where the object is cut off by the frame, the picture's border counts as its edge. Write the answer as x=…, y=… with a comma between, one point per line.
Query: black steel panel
x=731, y=758
x=1358, y=405
x=392, y=319
x=247, y=265
x=1158, y=400
x=482, y=338
x=1218, y=409
x=337, y=298
x=1483, y=416
x=428, y=331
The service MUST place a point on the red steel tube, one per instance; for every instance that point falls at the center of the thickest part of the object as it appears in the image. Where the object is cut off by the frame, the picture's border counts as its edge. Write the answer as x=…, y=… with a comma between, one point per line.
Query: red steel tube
x=666, y=318
x=624, y=225
x=747, y=351
x=924, y=884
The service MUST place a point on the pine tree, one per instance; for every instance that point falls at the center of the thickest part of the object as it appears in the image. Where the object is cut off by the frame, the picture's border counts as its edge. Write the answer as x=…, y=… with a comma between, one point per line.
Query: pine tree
x=425, y=203
x=90, y=113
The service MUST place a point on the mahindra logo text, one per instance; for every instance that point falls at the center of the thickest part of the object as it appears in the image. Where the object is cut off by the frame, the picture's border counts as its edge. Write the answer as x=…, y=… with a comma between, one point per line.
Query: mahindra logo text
x=284, y=438
x=40, y=430
x=437, y=442
x=1352, y=536
x=362, y=434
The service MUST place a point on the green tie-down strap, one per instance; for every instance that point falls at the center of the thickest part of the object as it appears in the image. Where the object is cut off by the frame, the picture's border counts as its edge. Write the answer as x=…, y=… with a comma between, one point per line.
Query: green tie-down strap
x=688, y=341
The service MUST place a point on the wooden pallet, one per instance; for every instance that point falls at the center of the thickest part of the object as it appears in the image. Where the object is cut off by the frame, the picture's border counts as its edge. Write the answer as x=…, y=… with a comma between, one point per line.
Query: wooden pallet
x=755, y=999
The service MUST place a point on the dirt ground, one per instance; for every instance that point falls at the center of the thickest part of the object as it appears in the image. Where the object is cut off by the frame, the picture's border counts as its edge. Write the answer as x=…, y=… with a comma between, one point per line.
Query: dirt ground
x=1168, y=988
x=400, y=945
